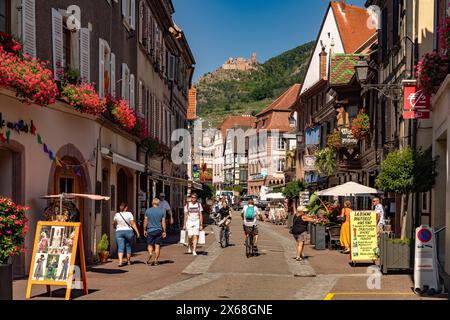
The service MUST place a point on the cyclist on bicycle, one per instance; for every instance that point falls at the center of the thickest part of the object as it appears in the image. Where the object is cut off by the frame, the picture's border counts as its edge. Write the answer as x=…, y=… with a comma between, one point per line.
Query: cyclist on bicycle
x=225, y=215
x=250, y=216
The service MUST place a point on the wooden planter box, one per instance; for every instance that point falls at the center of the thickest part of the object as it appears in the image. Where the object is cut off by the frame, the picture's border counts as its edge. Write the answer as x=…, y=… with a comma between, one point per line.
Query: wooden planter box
x=312, y=232
x=320, y=237
x=395, y=256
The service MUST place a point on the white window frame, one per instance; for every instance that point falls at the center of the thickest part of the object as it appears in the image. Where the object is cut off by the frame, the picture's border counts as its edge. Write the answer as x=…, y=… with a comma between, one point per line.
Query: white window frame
x=125, y=92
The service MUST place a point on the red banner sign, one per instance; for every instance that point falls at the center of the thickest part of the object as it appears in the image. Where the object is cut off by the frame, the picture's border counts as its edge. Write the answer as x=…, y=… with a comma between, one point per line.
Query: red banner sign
x=416, y=103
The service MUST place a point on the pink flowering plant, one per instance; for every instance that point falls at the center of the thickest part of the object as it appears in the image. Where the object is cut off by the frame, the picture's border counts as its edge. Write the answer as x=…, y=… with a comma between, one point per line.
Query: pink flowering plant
x=431, y=71
x=29, y=78
x=121, y=113
x=83, y=98
x=13, y=228
x=9, y=44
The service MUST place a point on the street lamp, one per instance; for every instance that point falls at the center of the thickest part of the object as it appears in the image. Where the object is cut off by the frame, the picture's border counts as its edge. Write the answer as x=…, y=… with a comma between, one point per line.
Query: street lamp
x=299, y=137
x=391, y=91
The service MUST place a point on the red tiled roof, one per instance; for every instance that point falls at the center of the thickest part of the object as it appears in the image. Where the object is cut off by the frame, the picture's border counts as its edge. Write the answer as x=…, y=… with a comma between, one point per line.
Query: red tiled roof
x=192, y=108
x=244, y=122
x=285, y=101
x=352, y=25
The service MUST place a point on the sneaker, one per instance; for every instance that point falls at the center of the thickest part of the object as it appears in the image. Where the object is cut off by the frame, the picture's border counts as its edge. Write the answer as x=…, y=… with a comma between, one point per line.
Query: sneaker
x=194, y=253
x=189, y=250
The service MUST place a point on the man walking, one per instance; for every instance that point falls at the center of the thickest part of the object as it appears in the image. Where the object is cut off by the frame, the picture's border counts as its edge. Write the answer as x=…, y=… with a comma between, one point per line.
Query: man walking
x=163, y=204
x=155, y=231
x=378, y=207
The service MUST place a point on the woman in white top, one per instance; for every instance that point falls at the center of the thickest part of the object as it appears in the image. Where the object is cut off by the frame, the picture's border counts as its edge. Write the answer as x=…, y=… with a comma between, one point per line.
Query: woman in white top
x=193, y=222
x=124, y=225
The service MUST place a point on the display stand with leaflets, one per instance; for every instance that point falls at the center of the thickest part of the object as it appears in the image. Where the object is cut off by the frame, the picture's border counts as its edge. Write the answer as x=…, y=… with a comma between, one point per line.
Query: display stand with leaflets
x=54, y=255
x=363, y=241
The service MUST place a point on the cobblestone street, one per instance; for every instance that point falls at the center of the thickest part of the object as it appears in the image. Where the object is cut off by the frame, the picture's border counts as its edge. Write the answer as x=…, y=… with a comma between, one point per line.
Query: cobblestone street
x=222, y=274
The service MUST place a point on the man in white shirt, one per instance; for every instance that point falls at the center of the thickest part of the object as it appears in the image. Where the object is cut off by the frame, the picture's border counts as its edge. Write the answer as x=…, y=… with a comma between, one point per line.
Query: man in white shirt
x=250, y=215
x=163, y=204
x=378, y=207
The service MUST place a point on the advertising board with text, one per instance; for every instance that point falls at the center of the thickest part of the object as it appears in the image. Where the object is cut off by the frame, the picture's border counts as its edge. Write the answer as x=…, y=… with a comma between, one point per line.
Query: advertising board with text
x=363, y=232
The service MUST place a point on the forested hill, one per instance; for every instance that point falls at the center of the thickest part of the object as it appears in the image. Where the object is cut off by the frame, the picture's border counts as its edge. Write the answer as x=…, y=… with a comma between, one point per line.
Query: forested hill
x=226, y=92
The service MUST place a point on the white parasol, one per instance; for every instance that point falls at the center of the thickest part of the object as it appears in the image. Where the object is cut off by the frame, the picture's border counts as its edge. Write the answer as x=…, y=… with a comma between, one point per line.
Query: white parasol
x=75, y=195
x=348, y=189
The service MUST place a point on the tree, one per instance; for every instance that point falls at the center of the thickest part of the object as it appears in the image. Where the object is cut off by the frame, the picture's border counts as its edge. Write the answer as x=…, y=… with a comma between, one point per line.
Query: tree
x=326, y=162
x=404, y=172
x=238, y=189
x=208, y=192
x=293, y=189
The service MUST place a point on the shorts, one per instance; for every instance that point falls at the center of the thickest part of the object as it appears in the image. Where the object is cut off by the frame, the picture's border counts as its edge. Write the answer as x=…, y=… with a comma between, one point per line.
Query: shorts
x=249, y=230
x=193, y=229
x=154, y=238
x=301, y=237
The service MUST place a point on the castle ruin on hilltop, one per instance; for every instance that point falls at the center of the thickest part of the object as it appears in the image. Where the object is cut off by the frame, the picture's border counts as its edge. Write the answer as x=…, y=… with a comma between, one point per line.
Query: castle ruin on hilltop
x=241, y=64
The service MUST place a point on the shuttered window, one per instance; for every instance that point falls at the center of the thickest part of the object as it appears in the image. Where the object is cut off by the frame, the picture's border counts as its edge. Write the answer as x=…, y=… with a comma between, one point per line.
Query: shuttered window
x=141, y=30
x=29, y=27
x=125, y=82
x=58, y=45
x=140, y=98
x=104, y=76
x=129, y=13
x=113, y=75
x=85, y=48
x=132, y=92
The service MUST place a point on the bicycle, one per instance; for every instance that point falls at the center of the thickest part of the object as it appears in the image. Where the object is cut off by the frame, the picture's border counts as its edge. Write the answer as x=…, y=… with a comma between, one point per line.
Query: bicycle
x=224, y=237
x=250, y=249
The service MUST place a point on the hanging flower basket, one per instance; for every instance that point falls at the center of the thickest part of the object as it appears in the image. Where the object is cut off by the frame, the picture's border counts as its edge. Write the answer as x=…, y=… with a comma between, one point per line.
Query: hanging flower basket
x=29, y=78
x=13, y=228
x=431, y=72
x=83, y=98
x=334, y=140
x=361, y=126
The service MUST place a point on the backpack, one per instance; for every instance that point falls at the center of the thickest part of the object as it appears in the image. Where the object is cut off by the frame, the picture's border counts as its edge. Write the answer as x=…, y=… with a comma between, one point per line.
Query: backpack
x=250, y=213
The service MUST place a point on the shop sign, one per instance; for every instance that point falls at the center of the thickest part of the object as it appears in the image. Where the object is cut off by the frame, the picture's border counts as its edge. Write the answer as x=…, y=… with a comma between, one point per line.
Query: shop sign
x=310, y=163
x=363, y=232
x=416, y=103
x=347, y=137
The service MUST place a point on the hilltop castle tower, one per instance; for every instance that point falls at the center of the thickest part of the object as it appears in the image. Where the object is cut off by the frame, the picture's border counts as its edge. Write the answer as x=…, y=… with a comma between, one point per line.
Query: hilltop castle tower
x=241, y=64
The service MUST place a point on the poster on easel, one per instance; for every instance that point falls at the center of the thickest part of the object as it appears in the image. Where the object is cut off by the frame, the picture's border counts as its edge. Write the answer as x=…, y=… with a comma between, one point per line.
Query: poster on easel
x=363, y=236
x=54, y=254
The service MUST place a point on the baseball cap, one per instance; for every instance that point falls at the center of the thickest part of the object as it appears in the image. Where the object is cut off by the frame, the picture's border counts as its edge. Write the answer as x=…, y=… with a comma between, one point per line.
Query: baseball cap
x=302, y=209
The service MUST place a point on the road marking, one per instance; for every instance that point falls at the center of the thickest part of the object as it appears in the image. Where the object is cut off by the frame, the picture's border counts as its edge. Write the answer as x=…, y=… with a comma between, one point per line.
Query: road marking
x=302, y=269
x=329, y=296
x=317, y=288
x=201, y=264
x=179, y=288
x=374, y=293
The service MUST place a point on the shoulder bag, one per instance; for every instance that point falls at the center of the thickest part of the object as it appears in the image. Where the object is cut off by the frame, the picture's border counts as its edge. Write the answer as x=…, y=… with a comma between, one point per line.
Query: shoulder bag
x=134, y=231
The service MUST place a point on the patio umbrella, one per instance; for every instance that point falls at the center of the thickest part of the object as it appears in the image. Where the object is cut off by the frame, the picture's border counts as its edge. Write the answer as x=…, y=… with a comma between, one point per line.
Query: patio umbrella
x=348, y=189
x=75, y=195
x=274, y=196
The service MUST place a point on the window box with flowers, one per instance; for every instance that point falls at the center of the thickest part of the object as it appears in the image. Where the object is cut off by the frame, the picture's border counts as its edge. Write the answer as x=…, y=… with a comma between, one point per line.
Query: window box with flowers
x=120, y=112
x=83, y=98
x=431, y=72
x=361, y=126
x=29, y=78
x=13, y=228
x=9, y=44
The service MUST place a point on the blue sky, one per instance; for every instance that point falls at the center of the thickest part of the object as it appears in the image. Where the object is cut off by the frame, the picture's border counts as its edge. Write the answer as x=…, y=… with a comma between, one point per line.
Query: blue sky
x=219, y=29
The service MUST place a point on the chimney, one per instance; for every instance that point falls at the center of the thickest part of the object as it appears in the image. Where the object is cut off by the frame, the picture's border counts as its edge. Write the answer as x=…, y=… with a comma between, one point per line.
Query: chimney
x=323, y=64
x=343, y=5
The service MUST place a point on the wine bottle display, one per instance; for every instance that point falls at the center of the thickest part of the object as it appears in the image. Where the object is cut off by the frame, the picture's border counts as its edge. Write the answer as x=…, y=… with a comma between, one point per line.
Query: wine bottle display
x=355, y=244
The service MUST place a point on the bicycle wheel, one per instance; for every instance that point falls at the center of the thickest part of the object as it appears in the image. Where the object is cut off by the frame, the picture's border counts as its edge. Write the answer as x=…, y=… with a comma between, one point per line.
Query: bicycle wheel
x=222, y=238
x=248, y=248
x=227, y=238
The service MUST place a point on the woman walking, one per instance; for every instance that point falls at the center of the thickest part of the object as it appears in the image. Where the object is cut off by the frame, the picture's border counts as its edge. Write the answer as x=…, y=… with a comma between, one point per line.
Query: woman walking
x=193, y=222
x=300, y=229
x=345, y=228
x=124, y=224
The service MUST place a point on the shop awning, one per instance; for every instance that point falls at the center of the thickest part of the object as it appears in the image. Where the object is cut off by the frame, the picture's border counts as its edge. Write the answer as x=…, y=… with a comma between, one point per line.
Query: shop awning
x=124, y=161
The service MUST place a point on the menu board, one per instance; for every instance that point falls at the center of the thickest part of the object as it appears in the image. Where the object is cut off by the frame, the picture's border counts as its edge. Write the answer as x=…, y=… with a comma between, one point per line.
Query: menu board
x=363, y=231
x=54, y=254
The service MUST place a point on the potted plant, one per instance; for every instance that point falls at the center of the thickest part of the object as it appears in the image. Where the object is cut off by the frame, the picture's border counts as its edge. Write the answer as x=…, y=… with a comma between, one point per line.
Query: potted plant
x=102, y=248
x=361, y=125
x=83, y=98
x=334, y=140
x=13, y=228
x=395, y=254
x=431, y=71
x=326, y=161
